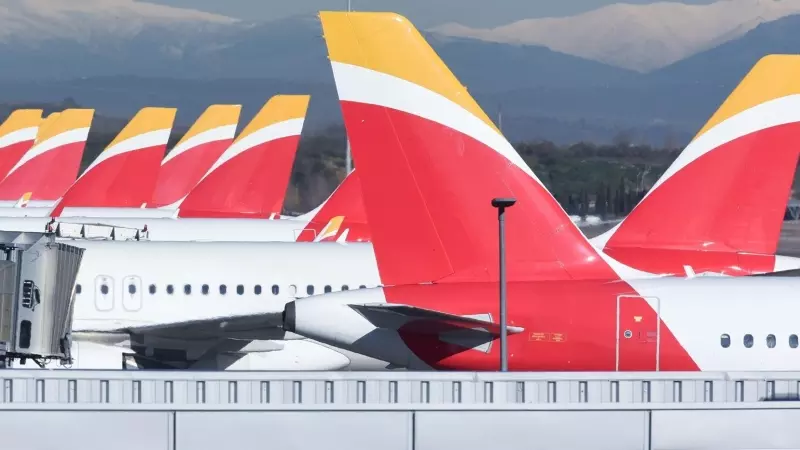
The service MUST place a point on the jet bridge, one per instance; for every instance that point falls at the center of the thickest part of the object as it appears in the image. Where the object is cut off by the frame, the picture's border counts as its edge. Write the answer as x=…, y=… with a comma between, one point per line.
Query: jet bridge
x=37, y=291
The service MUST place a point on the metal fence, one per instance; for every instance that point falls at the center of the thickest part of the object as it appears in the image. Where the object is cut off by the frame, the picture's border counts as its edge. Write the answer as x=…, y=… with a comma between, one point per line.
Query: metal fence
x=121, y=388
x=88, y=410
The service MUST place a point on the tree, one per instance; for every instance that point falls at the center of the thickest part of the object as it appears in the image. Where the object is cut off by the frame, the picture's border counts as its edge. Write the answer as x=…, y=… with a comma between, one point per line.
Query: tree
x=600, y=206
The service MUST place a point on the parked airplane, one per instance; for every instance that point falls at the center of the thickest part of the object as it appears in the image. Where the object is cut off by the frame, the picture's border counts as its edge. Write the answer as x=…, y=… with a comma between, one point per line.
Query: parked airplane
x=720, y=206
x=264, y=152
x=550, y=262
x=17, y=135
x=570, y=307
x=138, y=149
x=248, y=179
x=213, y=305
x=48, y=168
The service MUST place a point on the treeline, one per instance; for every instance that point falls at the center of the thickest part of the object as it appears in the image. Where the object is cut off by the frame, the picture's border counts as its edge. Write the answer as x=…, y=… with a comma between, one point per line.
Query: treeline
x=603, y=180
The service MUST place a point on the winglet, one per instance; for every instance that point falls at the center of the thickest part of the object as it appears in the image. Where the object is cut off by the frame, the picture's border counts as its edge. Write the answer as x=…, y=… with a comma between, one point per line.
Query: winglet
x=51, y=165
x=726, y=192
x=195, y=153
x=124, y=174
x=410, y=123
x=251, y=176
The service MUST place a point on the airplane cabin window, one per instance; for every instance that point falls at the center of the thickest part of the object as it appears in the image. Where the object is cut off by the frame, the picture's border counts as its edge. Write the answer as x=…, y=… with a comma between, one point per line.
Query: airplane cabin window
x=748, y=340
x=345, y=287
x=292, y=290
x=77, y=288
x=204, y=289
x=187, y=289
x=310, y=289
x=327, y=289
x=725, y=340
x=240, y=289
x=362, y=287
x=104, y=289
x=275, y=289
x=771, y=341
x=257, y=289
x=223, y=289
x=152, y=289
x=793, y=341
x=170, y=289
x=131, y=289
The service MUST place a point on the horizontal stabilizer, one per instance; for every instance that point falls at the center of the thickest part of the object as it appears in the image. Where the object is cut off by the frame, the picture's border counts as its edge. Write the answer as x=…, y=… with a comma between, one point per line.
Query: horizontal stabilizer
x=425, y=321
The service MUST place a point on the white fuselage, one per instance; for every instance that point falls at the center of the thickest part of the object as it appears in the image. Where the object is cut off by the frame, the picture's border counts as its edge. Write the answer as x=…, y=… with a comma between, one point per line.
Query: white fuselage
x=723, y=323
x=127, y=284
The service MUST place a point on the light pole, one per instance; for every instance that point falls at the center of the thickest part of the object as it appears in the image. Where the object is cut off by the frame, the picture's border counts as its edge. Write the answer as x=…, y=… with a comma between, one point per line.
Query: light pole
x=501, y=204
x=348, y=157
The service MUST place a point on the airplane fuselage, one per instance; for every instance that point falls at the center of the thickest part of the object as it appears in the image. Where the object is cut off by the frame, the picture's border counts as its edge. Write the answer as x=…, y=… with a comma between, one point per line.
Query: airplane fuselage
x=669, y=324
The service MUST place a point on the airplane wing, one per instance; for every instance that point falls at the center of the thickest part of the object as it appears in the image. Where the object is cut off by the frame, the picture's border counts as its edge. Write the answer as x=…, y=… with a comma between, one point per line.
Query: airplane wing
x=426, y=321
x=261, y=326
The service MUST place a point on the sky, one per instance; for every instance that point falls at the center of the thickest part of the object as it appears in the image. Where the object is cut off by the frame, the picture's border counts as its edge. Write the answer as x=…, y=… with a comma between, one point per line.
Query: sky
x=425, y=13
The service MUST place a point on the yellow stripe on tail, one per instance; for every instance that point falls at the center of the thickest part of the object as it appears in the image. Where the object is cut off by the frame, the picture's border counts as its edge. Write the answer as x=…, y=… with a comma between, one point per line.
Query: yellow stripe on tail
x=21, y=119
x=214, y=116
x=759, y=86
x=279, y=108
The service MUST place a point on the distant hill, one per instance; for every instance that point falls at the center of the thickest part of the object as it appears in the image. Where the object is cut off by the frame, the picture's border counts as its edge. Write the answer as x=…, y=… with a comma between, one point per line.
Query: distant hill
x=639, y=37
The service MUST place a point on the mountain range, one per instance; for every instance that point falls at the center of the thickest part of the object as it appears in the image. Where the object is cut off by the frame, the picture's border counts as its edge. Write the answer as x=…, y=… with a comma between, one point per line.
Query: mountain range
x=120, y=55
x=638, y=37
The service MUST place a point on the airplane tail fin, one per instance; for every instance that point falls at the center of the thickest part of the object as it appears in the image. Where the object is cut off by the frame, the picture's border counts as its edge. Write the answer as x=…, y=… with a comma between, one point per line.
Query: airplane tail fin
x=340, y=218
x=251, y=176
x=430, y=162
x=727, y=190
x=52, y=163
x=125, y=173
x=190, y=159
x=17, y=135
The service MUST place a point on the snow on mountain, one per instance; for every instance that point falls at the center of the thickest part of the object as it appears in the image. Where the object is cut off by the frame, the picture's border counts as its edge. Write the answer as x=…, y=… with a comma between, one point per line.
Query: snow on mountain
x=85, y=21
x=638, y=37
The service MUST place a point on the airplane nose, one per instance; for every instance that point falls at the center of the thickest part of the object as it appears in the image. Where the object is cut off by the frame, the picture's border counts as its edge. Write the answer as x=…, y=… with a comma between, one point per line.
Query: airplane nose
x=289, y=317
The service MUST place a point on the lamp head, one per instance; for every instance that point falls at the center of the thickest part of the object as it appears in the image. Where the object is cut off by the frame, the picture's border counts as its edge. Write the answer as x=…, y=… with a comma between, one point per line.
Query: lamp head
x=503, y=202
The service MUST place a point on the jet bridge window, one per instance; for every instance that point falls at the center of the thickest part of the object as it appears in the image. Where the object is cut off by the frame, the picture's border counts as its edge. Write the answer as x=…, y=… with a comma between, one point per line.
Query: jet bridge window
x=748, y=340
x=275, y=289
x=327, y=289
x=204, y=289
x=240, y=289
x=771, y=341
x=725, y=340
x=187, y=289
x=257, y=289
x=152, y=289
x=310, y=289
x=170, y=289
x=223, y=289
